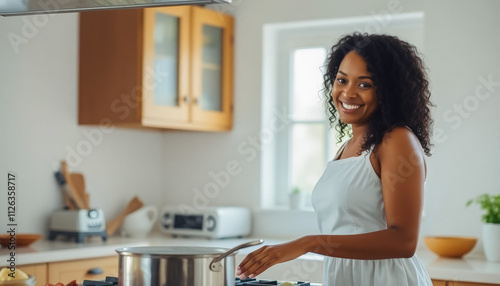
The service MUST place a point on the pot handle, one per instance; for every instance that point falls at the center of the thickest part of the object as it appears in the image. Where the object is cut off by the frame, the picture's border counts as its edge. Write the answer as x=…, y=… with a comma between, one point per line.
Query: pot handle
x=216, y=264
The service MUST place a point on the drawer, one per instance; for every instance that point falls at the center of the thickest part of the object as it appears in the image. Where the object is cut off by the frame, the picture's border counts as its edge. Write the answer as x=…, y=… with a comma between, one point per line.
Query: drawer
x=79, y=270
x=459, y=283
x=438, y=283
x=37, y=270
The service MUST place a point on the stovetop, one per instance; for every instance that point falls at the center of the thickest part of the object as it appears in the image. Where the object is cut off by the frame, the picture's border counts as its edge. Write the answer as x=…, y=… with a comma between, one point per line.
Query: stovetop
x=256, y=282
x=108, y=282
x=239, y=282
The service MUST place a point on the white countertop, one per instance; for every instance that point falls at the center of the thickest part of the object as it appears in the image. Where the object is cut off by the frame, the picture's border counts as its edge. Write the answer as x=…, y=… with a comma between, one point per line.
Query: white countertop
x=472, y=268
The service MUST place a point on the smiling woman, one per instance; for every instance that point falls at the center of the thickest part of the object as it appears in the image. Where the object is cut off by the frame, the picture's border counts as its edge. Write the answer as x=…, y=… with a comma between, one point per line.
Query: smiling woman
x=368, y=201
x=388, y=72
x=353, y=91
x=293, y=68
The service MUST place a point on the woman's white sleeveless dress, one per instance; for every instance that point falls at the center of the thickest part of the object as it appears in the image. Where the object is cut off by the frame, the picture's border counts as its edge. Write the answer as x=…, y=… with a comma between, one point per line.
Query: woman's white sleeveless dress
x=348, y=200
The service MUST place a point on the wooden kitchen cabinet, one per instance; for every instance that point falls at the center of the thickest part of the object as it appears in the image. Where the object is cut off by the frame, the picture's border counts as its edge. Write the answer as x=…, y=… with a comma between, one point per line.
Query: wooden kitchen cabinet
x=165, y=67
x=79, y=270
x=459, y=283
x=37, y=270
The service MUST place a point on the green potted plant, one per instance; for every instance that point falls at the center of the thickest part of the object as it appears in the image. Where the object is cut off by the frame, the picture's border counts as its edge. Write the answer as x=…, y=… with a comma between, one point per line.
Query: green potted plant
x=491, y=224
x=296, y=199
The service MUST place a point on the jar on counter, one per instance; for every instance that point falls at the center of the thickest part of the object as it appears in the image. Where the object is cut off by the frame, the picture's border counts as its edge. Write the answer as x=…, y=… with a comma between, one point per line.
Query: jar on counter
x=31, y=281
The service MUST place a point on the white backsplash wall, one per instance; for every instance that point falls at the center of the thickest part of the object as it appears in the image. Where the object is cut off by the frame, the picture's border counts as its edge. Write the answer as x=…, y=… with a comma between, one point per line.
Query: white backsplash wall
x=38, y=126
x=38, y=107
x=460, y=48
x=462, y=55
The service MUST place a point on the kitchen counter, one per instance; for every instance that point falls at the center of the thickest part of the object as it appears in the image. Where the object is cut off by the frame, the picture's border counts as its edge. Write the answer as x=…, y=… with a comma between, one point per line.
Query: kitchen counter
x=472, y=268
x=44, y=251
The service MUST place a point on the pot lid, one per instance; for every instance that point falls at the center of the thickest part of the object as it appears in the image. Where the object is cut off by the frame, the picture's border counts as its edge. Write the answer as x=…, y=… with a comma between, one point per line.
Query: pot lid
x=174, y=251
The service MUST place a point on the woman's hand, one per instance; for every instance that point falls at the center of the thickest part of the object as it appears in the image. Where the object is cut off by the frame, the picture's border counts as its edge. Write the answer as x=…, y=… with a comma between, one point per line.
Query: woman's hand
x=258, y=261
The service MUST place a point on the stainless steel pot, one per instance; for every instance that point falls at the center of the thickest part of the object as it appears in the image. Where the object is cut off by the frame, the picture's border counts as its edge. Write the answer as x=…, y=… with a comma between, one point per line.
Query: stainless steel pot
x=178, y=265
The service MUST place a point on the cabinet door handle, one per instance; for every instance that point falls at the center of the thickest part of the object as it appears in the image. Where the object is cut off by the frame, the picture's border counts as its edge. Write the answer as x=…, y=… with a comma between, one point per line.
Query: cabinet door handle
x=195, y=101
x=185, y=98
x=95, y=271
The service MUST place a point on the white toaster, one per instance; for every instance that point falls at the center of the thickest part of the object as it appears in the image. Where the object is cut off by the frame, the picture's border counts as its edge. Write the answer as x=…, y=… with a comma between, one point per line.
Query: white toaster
x=210, y=222
x=78, y=224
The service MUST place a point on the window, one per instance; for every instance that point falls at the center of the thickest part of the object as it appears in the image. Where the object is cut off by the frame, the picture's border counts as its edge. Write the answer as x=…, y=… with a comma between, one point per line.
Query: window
x=308, y=129
x=293, y=63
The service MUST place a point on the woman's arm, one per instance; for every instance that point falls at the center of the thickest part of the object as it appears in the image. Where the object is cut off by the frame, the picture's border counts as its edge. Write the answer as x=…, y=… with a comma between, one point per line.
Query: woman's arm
x=402, y=172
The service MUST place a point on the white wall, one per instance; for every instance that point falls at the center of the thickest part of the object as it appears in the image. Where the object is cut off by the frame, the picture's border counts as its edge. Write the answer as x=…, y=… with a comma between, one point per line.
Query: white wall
x=460, y=45
x=38, y=126
x=461, y=49
x=38, y=89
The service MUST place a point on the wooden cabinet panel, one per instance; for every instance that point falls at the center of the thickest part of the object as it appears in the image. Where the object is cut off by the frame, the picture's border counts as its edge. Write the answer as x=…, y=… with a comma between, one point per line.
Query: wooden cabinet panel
x=461, y=283
x=66, y=271
x=438, y=283
x=37, y=270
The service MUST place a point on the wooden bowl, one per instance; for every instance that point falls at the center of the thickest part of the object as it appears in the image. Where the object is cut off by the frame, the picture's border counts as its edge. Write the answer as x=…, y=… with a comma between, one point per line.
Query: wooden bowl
x=450, y=246
x=22, y=239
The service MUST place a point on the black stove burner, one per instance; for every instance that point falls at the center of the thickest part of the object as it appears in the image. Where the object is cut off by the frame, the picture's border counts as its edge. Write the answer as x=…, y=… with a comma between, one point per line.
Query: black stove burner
x=255, y=282
x=239, y=282
x=109, y=281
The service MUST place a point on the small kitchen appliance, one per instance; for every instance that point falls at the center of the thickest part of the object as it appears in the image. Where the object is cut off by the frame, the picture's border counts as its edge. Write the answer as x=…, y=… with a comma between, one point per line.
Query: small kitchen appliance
x=210, y=222
x=78, y=224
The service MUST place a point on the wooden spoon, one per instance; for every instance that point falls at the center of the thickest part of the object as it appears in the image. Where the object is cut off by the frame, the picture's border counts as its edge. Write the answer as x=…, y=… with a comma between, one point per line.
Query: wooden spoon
x=79, y=183
x=71, y=187
x=115, y=223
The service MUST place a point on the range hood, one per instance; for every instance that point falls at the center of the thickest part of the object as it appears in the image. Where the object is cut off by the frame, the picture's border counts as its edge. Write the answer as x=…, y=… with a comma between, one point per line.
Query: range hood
x=27, y=7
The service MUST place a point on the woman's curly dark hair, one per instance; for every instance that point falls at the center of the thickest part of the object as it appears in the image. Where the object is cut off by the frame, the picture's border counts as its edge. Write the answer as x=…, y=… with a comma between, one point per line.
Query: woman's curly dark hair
x=401, y=83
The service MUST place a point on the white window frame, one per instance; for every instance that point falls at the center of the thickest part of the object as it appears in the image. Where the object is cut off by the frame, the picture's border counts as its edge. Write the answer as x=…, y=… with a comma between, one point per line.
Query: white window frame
x=284, y=182
x=279, y=40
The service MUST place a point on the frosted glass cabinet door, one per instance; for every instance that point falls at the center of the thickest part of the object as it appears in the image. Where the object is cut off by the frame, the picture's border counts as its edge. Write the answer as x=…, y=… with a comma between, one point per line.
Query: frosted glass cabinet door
x=211, y=65
x=212, y=68
x=166, y=65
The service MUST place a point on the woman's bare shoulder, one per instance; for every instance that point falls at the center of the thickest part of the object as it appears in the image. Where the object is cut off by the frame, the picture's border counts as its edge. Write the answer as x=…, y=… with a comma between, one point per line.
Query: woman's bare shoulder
x=400, y=140
x=401, y=147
